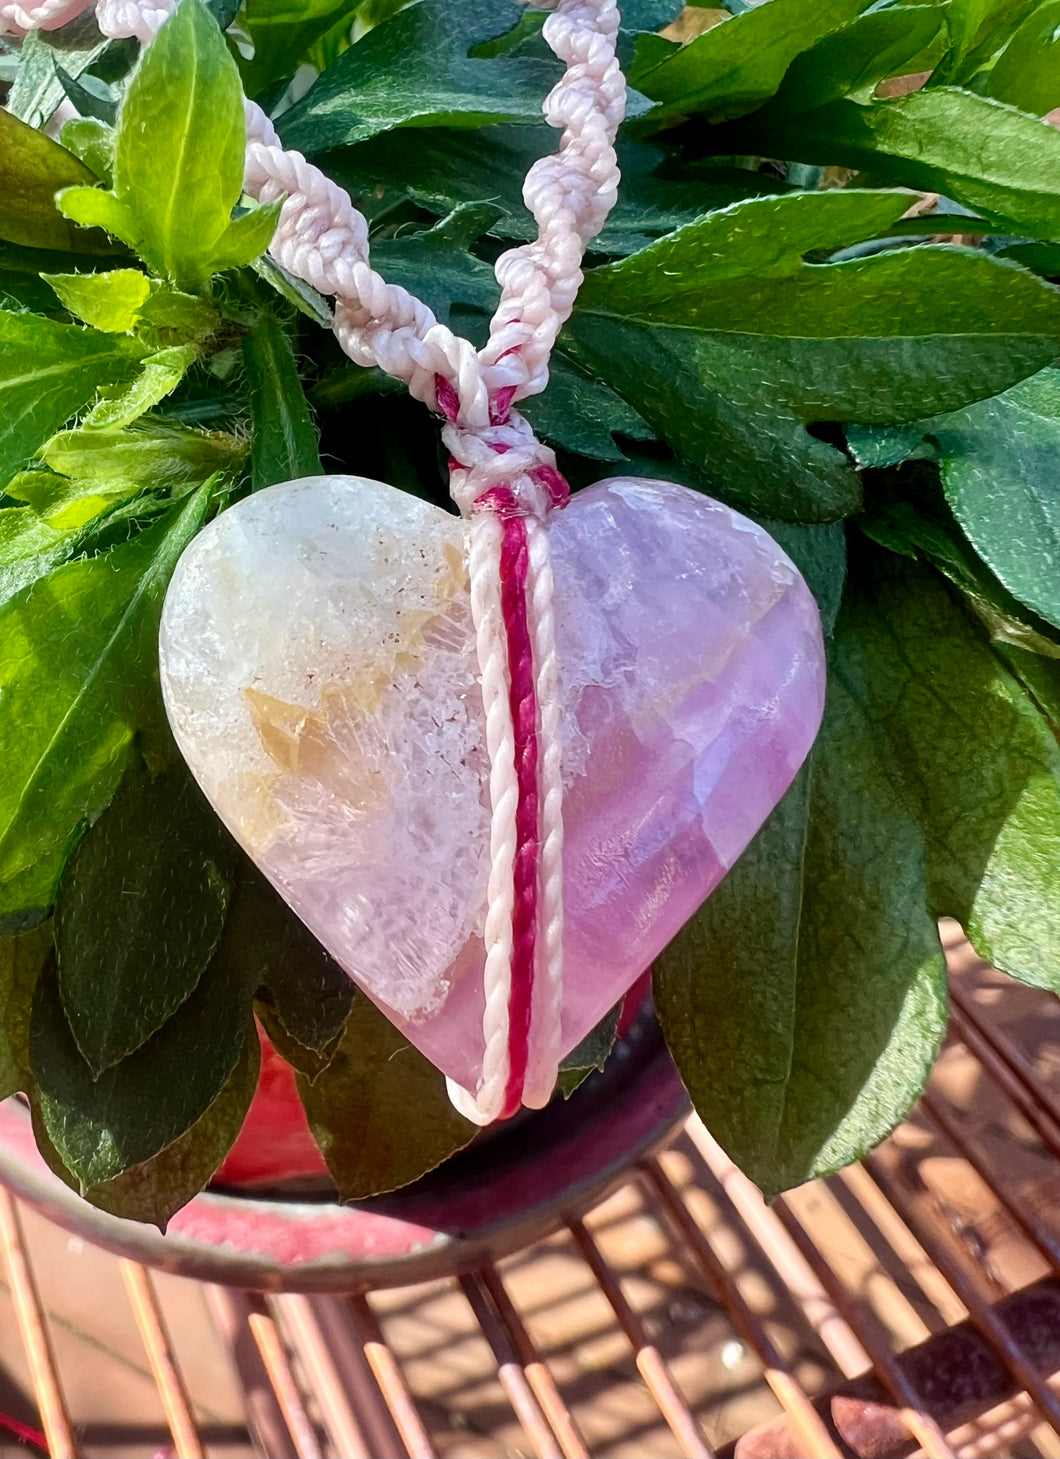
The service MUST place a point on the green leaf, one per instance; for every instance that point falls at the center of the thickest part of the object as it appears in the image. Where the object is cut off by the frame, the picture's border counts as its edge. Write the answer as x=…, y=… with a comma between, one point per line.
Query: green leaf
x=358, y=1109
x=306, y=995
x=820, y=554
x=1000, y=462
x=78, y=679
x=37, y=88
x=32, y=170
x=990, y=157
x=415, y=70
x=110, y=302
x=140, y=912
x=734, y=67
x=26, y=899
x=449, y=167
x=1027, y=73
x=583, y=415
x=852, y=61
x=178, y=166
x=155, y=1190
x=823, y=925
x=978, y=29
x=591, y=1054
x=283, y=32
x=159, y=376
x=93, y=143
x=29, y=549
x=21, y=959
x=284, y=444
x=47, y=372
x=103, y=1127
x=913, y=519
x=729, y=343
x=981, y=765
x=157, y=453
x=64, y=505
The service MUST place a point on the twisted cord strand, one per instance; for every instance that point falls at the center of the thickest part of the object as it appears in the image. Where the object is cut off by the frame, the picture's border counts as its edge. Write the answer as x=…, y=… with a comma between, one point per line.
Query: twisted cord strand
x=323, y=239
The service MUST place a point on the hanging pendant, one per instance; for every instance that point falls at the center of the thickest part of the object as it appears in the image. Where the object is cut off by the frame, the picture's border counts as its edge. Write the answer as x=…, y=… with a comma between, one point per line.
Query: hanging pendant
x=319, y=671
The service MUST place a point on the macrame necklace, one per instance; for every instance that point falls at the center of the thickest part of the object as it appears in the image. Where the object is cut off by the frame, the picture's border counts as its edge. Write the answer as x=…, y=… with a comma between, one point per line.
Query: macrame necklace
x=398, y=712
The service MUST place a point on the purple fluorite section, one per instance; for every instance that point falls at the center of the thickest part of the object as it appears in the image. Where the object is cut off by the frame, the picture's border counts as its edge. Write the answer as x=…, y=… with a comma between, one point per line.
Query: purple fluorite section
x=319, y=672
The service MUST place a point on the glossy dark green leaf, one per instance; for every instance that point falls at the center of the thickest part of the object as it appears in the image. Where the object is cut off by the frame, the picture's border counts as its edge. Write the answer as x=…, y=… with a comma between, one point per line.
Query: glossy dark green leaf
x=157, y=1189
x=852, y=61
x=448, y=167
x=415, y=70
x=820, y=554
x=140, y=912
x=1027, y=73
x=284, y=444
x=582, y=415
x=735, y=66
x=823, y=927
x=301, y=987
x=78, y=680
x=979, y=763
x=22, y=957
x=103, y=1127
x=37, y=90
x=916, y=522
x=32, y=170
x=590, y=1055
x=983, y=154
x=178, y=167
x=729, y=344
x=358, y=1109
x=47, y=372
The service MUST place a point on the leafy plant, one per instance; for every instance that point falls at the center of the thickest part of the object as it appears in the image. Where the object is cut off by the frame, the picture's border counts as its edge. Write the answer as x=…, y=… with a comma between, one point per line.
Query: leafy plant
x=827, y=295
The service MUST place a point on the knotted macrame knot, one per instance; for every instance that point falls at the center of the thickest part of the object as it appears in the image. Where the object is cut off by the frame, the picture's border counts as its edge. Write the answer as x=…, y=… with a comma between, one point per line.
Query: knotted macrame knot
x=502, y=467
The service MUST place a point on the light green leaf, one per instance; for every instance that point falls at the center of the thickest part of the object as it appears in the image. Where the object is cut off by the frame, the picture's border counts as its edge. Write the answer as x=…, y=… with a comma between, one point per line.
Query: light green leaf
x=284, y=445
x=729, y=343
x=93, y=142
x=358, y=1109
x=178, y=166
x=1027, y=73
x=32, y=170
x=156, y=453
x=29, y=549
x=78, y=679
x=47, y=372
x=21, y=959
x=159, y=376
x=140, y=912
x=734, y=67
x=67, y=506
x=25, y=900
x=415, y=70
x=110, y=302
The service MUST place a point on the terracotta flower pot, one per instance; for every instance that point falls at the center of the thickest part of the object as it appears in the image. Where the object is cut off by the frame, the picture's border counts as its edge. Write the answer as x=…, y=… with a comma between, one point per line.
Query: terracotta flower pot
x=511, y=1186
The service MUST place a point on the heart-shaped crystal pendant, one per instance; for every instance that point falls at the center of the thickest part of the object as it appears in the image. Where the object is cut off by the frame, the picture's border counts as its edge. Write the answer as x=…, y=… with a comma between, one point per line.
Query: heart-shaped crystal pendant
x=319, y=670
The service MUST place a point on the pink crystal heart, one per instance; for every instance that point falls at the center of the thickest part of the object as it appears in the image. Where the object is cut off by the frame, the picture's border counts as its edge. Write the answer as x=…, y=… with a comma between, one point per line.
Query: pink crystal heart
x=319, y=671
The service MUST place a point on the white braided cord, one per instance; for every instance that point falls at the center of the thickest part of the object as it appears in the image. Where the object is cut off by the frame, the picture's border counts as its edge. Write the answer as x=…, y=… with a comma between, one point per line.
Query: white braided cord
x=323, y=239
x=484, y=562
